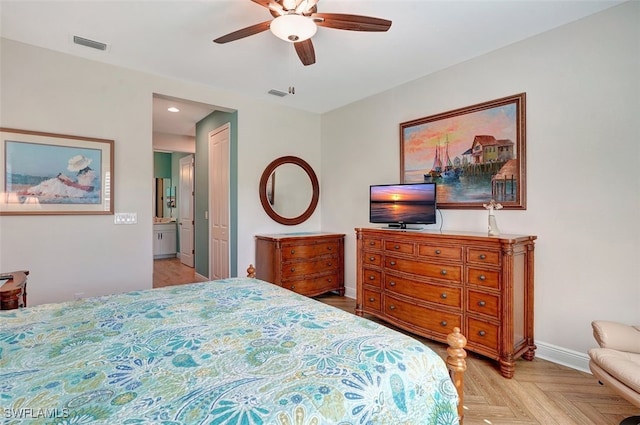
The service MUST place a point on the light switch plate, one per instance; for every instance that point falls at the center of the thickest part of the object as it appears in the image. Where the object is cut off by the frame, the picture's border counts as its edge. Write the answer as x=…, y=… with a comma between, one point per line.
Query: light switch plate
x=125, y=218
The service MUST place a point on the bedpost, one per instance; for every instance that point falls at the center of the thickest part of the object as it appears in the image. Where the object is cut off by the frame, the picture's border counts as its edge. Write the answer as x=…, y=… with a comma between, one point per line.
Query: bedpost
x=251, y=271
x=457, y=365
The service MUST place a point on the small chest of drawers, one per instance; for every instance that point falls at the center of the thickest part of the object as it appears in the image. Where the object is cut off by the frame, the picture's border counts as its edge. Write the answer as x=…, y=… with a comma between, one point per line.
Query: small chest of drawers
x=430, y=282
x=308, y=263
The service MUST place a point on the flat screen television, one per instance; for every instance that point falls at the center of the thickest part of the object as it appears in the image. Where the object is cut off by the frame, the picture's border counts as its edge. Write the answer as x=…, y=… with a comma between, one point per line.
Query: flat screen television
x=399, y=205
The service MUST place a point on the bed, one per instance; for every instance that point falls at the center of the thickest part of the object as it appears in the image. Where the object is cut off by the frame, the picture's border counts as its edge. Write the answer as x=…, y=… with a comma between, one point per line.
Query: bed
x=231, y=351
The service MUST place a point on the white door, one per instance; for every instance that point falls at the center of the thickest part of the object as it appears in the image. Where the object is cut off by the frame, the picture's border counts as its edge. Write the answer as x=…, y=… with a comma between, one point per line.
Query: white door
x=219, y=203
x=186, y=222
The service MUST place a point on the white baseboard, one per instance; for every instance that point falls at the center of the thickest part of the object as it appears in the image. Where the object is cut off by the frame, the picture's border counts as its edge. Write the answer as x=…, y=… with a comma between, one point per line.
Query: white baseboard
x=563, y=356
x=546, y=351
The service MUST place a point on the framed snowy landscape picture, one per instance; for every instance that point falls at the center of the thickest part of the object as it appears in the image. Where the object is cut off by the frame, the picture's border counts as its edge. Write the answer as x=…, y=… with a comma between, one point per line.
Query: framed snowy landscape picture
x=47, y=173
x=474, y=154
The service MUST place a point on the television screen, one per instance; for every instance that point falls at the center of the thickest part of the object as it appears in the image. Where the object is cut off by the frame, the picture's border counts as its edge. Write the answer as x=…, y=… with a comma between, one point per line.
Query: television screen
x=402, y=204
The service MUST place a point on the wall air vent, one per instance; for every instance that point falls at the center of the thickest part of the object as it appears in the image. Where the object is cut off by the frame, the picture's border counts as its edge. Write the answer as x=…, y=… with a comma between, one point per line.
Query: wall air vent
x=89, y=43
x=277, y=93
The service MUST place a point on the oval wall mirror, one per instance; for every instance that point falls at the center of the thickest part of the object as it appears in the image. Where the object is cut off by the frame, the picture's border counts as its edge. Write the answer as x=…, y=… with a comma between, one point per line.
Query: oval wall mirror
x=289, y=190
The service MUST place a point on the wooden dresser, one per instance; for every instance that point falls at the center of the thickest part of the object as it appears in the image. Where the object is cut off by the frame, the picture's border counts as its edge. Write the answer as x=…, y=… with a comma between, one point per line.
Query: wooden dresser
x=307, y=263
x=430, y=282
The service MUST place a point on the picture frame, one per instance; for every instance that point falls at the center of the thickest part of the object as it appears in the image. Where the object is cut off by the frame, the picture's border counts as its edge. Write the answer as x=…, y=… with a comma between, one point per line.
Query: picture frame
x=474, y=154
x=48, y=173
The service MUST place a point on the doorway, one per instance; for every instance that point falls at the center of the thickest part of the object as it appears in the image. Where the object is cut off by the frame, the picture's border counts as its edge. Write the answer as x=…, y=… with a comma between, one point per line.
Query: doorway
x=188, y=132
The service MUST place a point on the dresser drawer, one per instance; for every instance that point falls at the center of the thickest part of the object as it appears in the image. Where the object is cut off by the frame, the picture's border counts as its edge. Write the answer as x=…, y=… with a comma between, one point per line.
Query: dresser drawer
x=488, y=278
x=372, y=300
x=482, y=333
x=479, y=302
x=290, y=252
x=438, y=294
x=400, y=247
x=445, y=272
x=372, y=277
x=371, y=259
x=483, y=256
x=372, y=243
x=302, y=268
x=314, y=286
x=440, y=252
x=431, y=320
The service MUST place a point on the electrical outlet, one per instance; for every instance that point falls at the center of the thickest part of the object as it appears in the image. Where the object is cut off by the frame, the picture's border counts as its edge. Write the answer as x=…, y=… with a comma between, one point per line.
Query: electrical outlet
x=125, y=218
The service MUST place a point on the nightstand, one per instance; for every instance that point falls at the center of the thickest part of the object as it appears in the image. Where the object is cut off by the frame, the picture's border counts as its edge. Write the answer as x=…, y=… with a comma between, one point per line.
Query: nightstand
x=13, y=292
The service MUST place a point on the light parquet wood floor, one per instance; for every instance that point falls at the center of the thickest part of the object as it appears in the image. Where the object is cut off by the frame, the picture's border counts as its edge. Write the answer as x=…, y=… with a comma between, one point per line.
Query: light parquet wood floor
x=541, y=392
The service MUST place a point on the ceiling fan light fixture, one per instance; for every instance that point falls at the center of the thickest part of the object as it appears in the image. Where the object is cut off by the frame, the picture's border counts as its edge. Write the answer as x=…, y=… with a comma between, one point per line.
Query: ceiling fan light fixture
x=293, y=28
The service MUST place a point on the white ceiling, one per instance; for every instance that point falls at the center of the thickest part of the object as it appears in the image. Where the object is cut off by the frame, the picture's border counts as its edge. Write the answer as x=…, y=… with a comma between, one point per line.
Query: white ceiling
x=174, y=39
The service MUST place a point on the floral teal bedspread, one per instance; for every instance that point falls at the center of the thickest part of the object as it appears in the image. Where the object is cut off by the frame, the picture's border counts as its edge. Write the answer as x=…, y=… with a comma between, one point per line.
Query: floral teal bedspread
x=232, y=351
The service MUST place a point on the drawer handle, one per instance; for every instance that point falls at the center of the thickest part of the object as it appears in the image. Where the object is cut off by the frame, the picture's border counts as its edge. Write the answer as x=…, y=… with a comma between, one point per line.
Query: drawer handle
x=372, y=278
x=372, y=243
x=443, y=323
x=397, y=247
x=443, y=272
x=293, y=251
x=443, y=295
x=482, y=277
x=392, y=307
x=392, y=283
x=293, y=286
x=329, y=280
x=393, y=263
x=371, y=299
x=372, y=258
x=482, y=256
x=482, y=333
x=329, y=248
x=482, y=303
x=329, y=263
x=293, y=269
x=437, y=252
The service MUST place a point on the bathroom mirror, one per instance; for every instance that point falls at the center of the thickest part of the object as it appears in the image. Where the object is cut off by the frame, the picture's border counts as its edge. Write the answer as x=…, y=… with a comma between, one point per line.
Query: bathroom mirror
x=163, y=199
x=289, y=190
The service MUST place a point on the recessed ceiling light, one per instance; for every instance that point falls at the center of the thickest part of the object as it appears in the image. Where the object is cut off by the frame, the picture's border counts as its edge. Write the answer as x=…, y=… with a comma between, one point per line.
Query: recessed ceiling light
x=173, y=109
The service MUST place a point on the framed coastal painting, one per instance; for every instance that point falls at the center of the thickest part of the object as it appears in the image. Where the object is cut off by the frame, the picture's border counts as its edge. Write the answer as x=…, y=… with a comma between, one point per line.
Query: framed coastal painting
x=474, y=154
x=47, y=173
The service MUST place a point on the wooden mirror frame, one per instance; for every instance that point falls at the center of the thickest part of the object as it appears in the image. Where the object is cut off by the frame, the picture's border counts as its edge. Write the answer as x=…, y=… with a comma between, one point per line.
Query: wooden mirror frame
x=263, y=190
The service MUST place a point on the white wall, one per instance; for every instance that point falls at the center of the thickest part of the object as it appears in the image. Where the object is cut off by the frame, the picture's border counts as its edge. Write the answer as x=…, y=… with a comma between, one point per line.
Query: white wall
x=42, y=90
x=583, y=173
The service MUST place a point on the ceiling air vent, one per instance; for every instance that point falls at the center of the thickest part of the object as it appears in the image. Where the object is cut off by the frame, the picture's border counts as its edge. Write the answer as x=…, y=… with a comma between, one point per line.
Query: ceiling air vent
x=277, y=93
x=89, y=43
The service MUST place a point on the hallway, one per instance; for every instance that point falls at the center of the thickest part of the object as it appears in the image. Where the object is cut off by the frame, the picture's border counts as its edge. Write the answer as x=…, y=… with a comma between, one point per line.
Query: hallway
x=171, y=271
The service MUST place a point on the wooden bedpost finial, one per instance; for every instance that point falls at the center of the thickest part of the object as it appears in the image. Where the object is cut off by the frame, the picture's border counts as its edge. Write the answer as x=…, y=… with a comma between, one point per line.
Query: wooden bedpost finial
x=251, y=271
x=456, y=354
x=457, y=365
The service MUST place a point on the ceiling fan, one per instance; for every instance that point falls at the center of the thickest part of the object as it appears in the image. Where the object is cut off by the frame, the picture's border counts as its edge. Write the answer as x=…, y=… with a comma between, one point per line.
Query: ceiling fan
x=296, y=21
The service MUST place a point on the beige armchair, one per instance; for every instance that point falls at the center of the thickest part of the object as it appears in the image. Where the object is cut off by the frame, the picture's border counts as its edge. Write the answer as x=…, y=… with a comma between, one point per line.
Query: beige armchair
x=616, y=363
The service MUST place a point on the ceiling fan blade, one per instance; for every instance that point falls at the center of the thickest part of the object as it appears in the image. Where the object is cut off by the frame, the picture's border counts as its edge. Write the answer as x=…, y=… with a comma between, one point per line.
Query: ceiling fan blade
x=271, y=5
x=305, y=52
x=244, y=32
x=350, y=22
